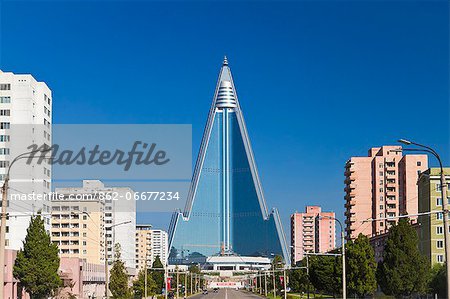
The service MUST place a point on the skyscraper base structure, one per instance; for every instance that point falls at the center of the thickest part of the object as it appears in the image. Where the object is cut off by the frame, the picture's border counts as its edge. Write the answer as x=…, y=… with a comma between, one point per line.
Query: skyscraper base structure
x=225, y=213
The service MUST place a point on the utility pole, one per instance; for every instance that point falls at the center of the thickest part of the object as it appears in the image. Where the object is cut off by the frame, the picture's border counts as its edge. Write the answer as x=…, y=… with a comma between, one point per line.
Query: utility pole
x=185, y=284
x=344, y=279
x=4, y=215
x=265, y=284
x=3, y=234
x=145, y=278
x=344, y=283
x=166, y=285
x=445, y=210
x=274, y=282
x=106, y=256
x=284, y=280
x=307, y=272
x=105, y=247
x=178, y=276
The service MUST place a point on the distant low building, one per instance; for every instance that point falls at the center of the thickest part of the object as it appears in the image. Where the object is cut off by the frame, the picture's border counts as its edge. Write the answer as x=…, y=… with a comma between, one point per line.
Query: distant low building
x=11, y=290
x=235, y=263
x=312, y=231
x=82, y=279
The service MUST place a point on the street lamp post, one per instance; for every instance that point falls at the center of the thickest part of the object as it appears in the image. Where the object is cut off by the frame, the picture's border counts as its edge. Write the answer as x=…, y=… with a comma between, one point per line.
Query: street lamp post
x=274, y=282
x=344, y=282
x=106, y=257
x=265, y=284
x=444, y=203
x=4, y=215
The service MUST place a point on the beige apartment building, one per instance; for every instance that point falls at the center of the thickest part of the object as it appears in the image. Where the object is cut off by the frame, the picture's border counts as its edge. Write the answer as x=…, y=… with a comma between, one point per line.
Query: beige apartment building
x=312, y=231
x=381, y=185
x=78, y=228
x=143, y=246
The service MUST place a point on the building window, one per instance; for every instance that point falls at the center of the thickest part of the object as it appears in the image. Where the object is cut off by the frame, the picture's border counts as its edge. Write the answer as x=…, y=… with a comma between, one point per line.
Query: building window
x=4, y=138
x=419, y=163
x=440, y=258
x=5, y=125
x=381, y=223
x=4, y=164
x=4, y=151
x=5, y=100
x=381, y=207
x=439, y=230
x=5, y=112
x=438, y=187
x=440, y=244
x=439, y=216
x=381, y=173
x=5, y=86
x=439, y=201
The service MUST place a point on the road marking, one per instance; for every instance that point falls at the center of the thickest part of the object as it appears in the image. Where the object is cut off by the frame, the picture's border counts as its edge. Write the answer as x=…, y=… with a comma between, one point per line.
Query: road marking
x=226, y=294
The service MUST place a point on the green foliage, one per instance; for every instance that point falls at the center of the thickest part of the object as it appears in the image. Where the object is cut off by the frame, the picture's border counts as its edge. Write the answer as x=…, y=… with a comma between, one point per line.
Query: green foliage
x=438, y=280
x=37, y=264
x=277, y=262
x=158, y=275
x=326, y=274
x=360, y=267
x=118, y=284
x=298, y=278
x=139, y=284
x=194, y=269
x=404, y=271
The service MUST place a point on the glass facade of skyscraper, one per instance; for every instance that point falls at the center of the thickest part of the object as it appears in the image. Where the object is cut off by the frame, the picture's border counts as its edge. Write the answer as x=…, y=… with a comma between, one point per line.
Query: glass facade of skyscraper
x=226, y=211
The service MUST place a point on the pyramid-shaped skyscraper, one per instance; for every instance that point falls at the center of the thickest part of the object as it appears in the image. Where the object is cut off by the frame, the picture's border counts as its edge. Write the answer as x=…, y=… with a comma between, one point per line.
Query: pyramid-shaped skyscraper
x=226, y=213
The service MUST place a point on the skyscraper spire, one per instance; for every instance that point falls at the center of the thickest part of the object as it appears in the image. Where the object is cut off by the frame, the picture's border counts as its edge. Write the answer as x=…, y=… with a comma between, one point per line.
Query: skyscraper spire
x=225, y=204
x=225, y=60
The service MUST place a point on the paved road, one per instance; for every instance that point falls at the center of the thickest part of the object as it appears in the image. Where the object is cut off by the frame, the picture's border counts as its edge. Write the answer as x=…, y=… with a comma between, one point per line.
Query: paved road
x=226, y=294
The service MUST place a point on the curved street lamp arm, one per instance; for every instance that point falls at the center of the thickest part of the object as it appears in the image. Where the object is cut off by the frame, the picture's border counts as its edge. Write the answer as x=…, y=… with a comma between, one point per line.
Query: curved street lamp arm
x=23, y=156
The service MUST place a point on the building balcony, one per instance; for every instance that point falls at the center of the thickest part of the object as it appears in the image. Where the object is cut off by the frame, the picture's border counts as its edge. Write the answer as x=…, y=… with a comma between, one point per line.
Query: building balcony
x=350, y=203
x=348, y=169
x=350, y=219
x=391, y=193
x=391, y=184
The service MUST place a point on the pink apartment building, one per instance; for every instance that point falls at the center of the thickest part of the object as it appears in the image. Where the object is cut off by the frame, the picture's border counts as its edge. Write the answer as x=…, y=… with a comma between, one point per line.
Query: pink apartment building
x=312, y=233
x=82, y=279
x=381, y=185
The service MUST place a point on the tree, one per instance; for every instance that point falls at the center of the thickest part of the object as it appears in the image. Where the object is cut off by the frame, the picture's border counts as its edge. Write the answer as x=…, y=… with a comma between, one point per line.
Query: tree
x=139, y=284
x=325, y=274
x=194, y=269
x=118, y=284
x=438, y=280
x=361, y=267
x=36, y=265
x=298, y=278
x=158, y=275
x=404, y=270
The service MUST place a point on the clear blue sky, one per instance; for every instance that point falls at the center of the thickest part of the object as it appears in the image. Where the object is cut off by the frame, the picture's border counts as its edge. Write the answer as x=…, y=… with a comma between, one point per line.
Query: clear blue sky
x=318, y=81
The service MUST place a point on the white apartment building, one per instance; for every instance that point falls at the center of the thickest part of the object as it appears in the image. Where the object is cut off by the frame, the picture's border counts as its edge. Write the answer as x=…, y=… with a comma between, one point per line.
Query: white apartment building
x=25, y=119
x=159, y=245
x=119, y=218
